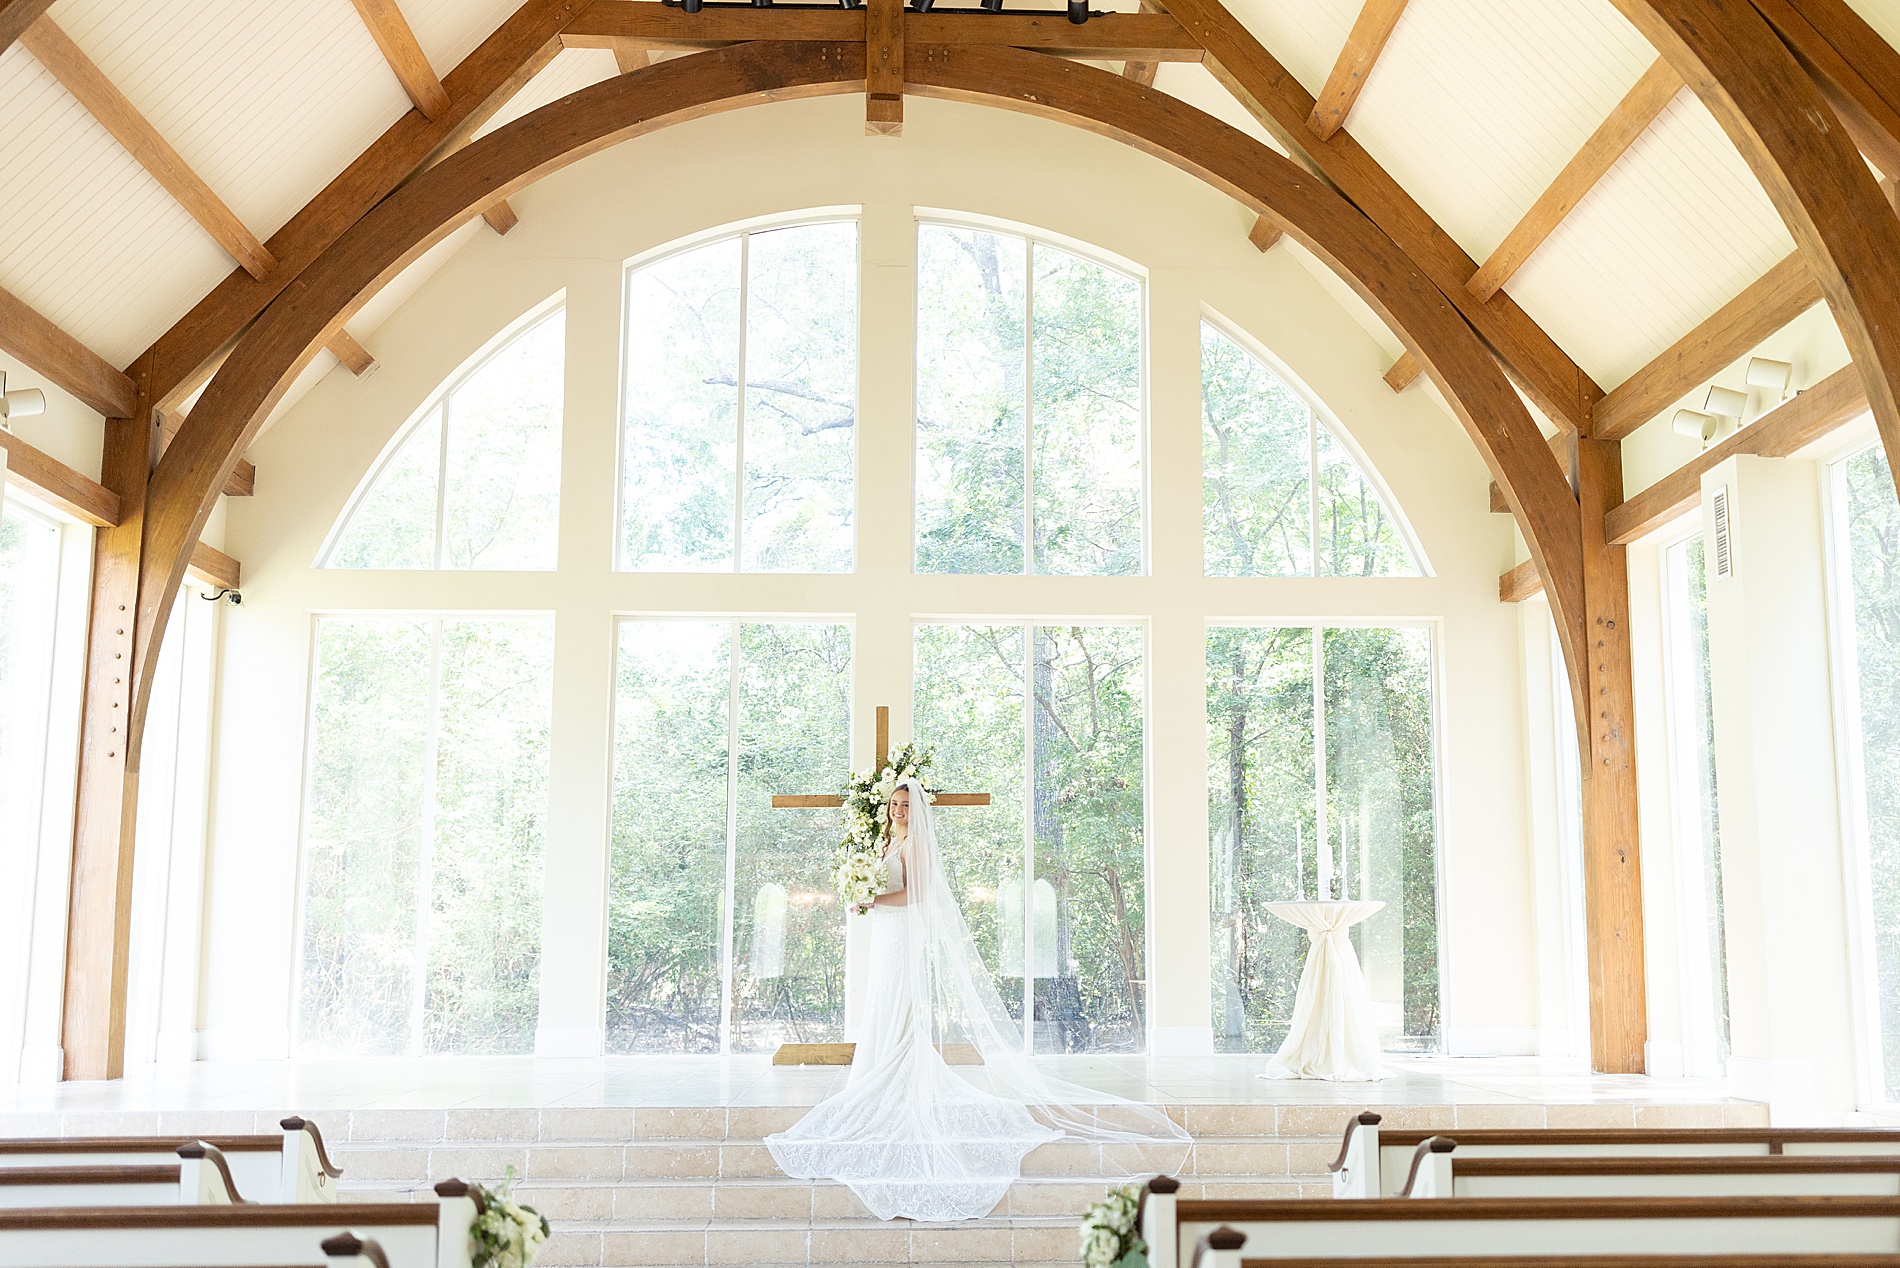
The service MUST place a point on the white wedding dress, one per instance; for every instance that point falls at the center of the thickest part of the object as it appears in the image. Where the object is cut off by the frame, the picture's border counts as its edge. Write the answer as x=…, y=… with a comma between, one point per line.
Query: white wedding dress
x=913, y=1136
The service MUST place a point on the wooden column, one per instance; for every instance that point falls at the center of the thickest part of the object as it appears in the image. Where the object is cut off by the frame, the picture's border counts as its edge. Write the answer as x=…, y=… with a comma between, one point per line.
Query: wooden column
x=1612, y=858
x=99, y=919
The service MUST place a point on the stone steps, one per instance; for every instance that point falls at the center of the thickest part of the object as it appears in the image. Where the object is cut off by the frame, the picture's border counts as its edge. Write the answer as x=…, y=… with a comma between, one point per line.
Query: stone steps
x=678, y=1186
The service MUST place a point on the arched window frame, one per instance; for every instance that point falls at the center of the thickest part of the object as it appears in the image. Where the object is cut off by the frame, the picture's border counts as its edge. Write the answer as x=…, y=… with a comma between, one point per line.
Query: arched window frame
x=1322, y=415
x=1034, y=236
x=434, y=402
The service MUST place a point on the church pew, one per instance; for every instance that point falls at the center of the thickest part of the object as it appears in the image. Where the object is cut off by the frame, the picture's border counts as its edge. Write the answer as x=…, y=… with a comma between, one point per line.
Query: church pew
x=291, y=1167
x=1374, y=1162
x=199, y=1177
x=409, y=1235
x=1578, y=1261
x=346, y=1250
x=1438, y=1170
x=1174, y=1228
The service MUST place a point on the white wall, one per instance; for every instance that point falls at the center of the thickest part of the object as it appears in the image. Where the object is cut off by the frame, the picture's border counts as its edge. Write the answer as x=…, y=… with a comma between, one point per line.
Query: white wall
x=577, y=228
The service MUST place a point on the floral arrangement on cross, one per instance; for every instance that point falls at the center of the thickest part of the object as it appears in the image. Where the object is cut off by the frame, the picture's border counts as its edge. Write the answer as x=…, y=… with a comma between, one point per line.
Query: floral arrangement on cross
x=506, y=1233
x=1110, y=1236
x=859, y=869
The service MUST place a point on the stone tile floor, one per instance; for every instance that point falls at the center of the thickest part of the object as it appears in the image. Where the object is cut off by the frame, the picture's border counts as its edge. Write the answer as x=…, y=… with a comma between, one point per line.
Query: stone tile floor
x=535, y=1082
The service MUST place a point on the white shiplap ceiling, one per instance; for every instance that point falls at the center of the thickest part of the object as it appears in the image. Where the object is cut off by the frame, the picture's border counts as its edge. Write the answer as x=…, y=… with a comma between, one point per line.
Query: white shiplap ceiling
x=1473, y=107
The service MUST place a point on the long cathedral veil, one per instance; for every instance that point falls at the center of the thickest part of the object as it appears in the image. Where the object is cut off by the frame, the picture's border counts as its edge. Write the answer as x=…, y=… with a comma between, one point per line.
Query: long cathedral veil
x=911, y=1135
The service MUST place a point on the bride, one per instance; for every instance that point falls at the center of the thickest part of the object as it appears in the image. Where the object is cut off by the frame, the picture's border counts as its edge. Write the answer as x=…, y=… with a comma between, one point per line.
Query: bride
x=911, y=1136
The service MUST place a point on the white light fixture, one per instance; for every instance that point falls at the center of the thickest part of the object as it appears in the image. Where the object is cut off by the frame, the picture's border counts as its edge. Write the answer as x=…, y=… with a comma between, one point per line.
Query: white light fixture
x=1775, y=376
x=1726, y=401
x=1700, y=427
x=21, y=404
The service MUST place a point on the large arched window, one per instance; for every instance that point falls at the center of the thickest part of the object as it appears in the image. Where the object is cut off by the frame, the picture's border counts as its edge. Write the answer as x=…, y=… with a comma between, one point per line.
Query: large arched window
x=738, y=442
x=474, y=481
x=1029, y=408
x=1281, y=496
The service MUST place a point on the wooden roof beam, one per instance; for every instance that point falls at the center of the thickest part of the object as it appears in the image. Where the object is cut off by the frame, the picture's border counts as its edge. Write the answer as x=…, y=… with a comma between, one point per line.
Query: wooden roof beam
x=1269, y=92
x=500, y=216
x=56, y=51
x=1265, y=235
x=1110, y=37
x=1370, y=30
x=16, y=16
x=64, y=361
x=1857, y=71
x=1520, y=583
x=484, y=80
x=1836, y=400
x=45, y=476
x=354, y=356
x=393, y=35
x=1402, y=373
x=1773, y=300
x=1630, y=118
x=884, y=22
x=1778, y=119
x=213, y=567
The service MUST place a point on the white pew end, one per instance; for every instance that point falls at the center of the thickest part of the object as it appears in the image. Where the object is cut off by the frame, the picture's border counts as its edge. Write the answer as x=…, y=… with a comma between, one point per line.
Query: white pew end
x=1356, y=1170
x=347, y=1250
x=308, y=1175
x=1154, y=1219
x=1219, y=1248
x=1402, y=1228
x=291, y=1166
x=1431, y=1174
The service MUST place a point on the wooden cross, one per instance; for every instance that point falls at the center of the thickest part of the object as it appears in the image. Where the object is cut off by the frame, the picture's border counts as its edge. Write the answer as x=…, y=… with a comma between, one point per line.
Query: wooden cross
x=831, y=801
x=841, y=1053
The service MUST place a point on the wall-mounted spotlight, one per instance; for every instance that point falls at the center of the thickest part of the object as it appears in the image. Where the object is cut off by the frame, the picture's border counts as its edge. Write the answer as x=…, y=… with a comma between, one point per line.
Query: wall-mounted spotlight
x=1770, y=375
x=23, y=403
x=1078, y=11
x=1701, y=427
x=234, y=597
x=1727, y=402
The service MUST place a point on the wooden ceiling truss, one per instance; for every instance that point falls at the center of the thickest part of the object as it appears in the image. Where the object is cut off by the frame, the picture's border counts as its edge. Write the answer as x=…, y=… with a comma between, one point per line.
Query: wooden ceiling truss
x=424, y=177
x=1370, y=30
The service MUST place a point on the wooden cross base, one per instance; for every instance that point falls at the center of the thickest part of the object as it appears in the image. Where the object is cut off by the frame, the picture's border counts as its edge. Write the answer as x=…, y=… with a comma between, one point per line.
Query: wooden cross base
x=841, y=1054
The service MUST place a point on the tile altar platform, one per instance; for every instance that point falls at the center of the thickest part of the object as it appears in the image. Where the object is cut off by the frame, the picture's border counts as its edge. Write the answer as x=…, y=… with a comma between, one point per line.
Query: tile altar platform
x=659, y=1161
x=531, y=1082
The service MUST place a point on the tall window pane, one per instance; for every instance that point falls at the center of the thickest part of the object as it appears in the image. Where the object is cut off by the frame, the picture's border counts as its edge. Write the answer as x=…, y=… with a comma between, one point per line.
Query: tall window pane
x=476, y=483
x=1063, y=924
x=1256, y=485
x=724, y=934
x=742, y=354
x=427, y=801
x=1873, y=547
x=1281, y=496
x=1260, y=821
x=1698, y=825
x=970, y=403
x=1383, y=817
x=969, y=706
x=29, y=609
x=1353, y=783
x=1029, y=446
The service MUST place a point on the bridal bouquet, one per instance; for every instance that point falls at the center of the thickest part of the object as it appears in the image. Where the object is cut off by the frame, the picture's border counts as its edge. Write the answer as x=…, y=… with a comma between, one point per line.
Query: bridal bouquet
x=1109, y=1236
x=858, y=871
x=506, y=1234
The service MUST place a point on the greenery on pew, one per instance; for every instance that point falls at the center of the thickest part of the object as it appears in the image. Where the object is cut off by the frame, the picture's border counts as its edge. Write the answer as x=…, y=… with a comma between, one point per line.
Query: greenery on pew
x=1109, y=1236
x=507, y=1234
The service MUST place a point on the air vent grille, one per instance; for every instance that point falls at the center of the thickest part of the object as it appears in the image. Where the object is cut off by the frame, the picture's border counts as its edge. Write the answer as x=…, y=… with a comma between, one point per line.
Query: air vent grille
x=1724, y=560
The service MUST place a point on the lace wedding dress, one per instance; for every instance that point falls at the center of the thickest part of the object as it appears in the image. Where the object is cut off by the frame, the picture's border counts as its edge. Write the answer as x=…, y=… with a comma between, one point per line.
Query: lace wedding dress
x=916, y=1138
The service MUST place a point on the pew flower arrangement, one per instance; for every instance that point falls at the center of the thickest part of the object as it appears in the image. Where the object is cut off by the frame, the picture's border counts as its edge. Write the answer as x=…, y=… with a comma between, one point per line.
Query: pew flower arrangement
x=858, y=870
x=507, y=1233
x=1109, y=1237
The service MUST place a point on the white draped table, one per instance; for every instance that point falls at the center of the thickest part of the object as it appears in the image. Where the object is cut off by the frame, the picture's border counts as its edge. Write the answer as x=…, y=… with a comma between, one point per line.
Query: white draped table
x=1333, y=1035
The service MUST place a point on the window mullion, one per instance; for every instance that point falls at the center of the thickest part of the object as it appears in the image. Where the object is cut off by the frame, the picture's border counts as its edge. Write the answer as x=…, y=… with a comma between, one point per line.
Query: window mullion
x=425, y=846
x=732, y=842
x=1029, y=839
x=442, y=487
x=1029, y=407
x=1322, y=841
x=738, y=474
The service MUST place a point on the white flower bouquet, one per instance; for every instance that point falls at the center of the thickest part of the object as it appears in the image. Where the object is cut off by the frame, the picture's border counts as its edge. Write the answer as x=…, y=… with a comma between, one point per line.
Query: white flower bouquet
x=858, y=868
x=506, y=1234
x=1109, y=1236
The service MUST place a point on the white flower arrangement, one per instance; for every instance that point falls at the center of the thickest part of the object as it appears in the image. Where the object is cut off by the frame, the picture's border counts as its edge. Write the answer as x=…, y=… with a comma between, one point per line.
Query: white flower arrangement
x=507, y=1233
x=858, y=868
x=1109, y=1236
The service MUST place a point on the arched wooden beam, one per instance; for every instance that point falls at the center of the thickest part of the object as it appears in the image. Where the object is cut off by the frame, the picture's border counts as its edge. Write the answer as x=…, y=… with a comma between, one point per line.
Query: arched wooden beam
x=1798, y=149
x=270, y=355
